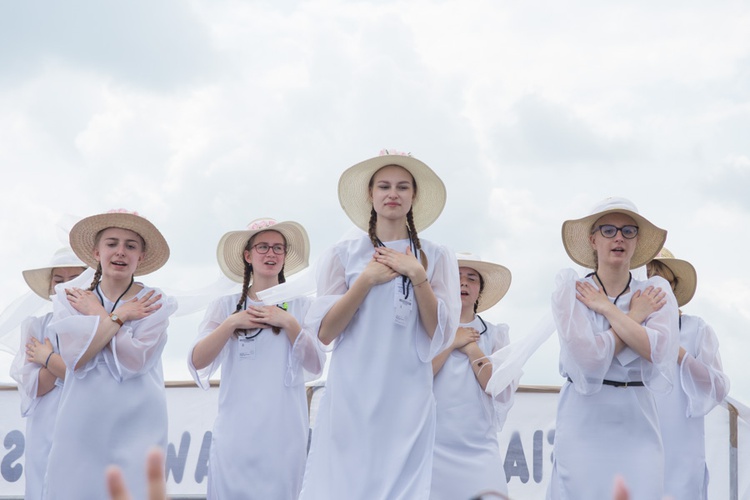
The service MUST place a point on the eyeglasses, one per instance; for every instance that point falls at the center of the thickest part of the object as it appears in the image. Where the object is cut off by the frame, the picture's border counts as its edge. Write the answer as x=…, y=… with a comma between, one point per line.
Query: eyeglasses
x=610, y=231
x=263, y=248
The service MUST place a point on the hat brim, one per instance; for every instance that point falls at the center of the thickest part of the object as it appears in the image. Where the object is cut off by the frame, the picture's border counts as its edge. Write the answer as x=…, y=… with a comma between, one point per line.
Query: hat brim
x=231, y=248
x=354, y=194
x=83, y=239
x=576, y=233
x=496, y=279
x=40, y=280
x=687, y=278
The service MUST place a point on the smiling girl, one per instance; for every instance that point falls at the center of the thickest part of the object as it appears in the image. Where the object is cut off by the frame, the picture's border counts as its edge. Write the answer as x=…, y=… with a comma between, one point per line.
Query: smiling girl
x=113, y=404
x=618, y=347
x=259, y=440
x=387, y=304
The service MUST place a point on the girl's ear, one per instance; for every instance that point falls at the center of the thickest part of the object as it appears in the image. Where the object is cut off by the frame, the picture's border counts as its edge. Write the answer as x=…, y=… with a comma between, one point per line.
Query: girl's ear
x=246, y=254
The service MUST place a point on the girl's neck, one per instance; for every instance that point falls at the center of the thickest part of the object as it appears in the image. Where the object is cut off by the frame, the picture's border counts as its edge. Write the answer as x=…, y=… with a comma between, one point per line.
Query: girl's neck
x=467, y=315
x=113, y=288
x=614, y=279
x=261, y=283
x=391, y=230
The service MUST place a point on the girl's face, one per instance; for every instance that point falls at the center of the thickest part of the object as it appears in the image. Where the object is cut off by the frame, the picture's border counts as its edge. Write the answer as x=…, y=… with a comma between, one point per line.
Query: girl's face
x=269, y=263
x=470, y=285
x=392, y=192
x=119, y=251
x=616, y=250
x=63, y=275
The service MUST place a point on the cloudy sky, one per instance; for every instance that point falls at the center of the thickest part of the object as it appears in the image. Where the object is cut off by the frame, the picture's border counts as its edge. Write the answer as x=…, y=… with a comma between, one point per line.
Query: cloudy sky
x=205, y=115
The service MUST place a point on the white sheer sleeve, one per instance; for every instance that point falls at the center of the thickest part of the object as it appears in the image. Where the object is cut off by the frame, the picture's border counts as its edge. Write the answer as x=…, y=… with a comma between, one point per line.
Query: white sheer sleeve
x=331, y=286
x=138, y=345
x=305, y=357
x=585, y=352
x=503, y=400
x=75, y=332
x=133, y=351
x=701, y=373
x=663, y=330
x=25, y=372
x=444, y=280
x=218, y=310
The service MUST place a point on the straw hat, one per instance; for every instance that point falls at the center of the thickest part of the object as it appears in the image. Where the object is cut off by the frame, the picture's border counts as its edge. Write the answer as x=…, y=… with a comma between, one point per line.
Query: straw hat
x=354, y=194
x=496, y=279
x=39, y=279
x=687, y=278
x=230, y=251
x=83, y=237
x=575, y=234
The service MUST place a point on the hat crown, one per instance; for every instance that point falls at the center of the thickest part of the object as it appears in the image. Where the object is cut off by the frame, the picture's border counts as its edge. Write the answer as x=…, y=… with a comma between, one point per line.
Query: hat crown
x=614, y=203
x=262, y=223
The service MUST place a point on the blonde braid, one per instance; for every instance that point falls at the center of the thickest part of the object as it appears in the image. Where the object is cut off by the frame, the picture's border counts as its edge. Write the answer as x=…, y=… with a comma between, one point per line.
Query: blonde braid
x=415, y=238
x=97, y=276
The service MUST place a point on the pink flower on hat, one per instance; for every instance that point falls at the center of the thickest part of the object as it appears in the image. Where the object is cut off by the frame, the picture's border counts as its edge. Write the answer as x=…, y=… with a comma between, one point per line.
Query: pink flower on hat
x=384, y=152
x=123, y=211
x=261, y=224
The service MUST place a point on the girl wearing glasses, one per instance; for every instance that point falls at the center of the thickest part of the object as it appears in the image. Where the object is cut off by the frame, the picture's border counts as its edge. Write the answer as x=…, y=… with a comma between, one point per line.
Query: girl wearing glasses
x=467, y=457
x=618, y=347
x=387, y=304
x=701, y=385
x=259, y=440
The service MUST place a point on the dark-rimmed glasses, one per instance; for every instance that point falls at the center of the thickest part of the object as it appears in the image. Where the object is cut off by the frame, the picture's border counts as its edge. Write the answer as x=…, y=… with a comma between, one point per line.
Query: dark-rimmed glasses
x=610, y=231
x=263, y=248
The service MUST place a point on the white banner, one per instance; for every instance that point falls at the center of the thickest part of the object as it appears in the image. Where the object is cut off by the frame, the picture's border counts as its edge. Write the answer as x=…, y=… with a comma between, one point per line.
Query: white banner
x=526, y=442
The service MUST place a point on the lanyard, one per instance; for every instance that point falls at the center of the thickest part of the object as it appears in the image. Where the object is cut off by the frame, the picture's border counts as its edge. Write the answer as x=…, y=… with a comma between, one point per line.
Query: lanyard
x=405, y=282
x=630, y=278
x=101, y=298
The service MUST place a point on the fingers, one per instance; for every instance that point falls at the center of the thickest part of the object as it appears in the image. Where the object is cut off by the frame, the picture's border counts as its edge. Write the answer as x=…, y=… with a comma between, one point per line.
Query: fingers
x=157, y=489
x=116, y=484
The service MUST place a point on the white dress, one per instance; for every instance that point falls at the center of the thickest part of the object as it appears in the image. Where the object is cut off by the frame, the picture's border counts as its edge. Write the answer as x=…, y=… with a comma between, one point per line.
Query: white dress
x=702, y=385
x=40, y=411
x=602, y=430
x=375, y=427
x=467, y=457
x=259, y=440
x=114, y=408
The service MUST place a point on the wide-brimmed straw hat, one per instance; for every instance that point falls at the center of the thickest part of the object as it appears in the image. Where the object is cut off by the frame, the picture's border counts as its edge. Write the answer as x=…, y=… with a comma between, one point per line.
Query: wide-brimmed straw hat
x=231, y=249
x=83, y=238
x=575, y=234
x=39, y=279
x=687, y=278
x=354, y=194
x=496, y=279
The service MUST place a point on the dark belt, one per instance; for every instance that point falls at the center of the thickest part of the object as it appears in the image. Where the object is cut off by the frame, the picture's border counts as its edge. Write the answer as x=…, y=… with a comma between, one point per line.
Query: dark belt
x=616, y=383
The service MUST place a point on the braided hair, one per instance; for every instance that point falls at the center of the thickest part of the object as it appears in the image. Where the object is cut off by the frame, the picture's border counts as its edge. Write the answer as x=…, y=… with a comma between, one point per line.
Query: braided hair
x=97, y=276
x=247, y=281
x=481, y=289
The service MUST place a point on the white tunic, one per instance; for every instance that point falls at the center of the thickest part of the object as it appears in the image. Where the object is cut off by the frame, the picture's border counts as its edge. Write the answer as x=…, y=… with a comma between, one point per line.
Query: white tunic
x=113, y=409
x=702, y=385
x=467, y=457
x=40, y=411
x=602, y=430
x=375, y=428
x=259, y=440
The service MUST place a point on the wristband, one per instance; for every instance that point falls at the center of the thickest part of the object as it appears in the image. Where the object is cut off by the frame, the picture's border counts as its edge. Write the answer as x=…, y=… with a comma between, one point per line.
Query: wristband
x=46, y=363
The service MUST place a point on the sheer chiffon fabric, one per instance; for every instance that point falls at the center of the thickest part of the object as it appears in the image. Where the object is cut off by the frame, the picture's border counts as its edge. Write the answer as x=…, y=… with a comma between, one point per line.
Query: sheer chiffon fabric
x=375, y=427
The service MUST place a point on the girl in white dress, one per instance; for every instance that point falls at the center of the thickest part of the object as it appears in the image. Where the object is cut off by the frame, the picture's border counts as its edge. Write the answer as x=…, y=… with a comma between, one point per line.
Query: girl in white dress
x=618, y=347
x=701, y=385
x=40, y=371
x=259, y=440
x=113, y=404
x=387, y=303
x=467, y=457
